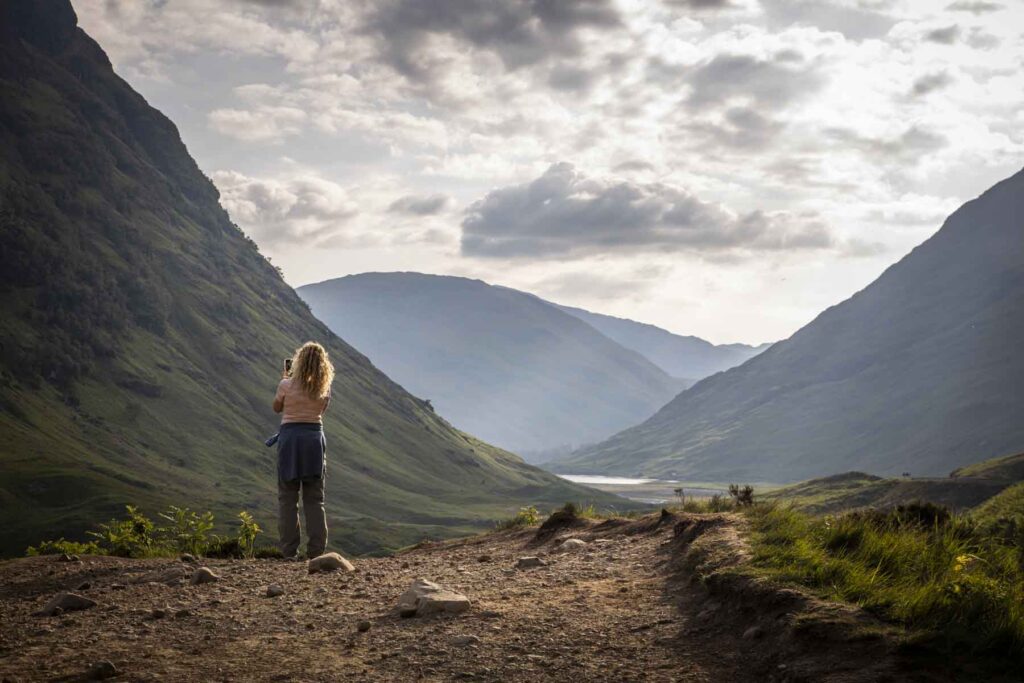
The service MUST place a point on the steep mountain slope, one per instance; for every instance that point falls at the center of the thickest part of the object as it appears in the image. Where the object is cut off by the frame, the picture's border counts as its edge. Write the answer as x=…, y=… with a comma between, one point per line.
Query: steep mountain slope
x=141, y=334
x=686, y=357
x=921, y=372
x=499, y=363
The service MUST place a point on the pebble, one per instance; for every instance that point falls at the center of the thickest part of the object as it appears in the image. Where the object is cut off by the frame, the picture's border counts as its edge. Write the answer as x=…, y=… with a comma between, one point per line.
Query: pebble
x=363, y=626
x=753, y=633
x=274, y=590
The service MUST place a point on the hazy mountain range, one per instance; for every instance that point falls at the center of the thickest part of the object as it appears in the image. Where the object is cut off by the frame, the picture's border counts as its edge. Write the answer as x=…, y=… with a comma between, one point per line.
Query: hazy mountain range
x=142, y=334
x=686, y=357
x=922, y=371
x=497, y=362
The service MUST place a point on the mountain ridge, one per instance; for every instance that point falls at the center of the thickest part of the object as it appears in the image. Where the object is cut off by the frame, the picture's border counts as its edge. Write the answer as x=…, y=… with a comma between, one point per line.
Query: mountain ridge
x=684, y=356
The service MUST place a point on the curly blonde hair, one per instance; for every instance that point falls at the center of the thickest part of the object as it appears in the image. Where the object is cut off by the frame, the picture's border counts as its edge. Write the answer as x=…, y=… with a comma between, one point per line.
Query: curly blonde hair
x=312, y=369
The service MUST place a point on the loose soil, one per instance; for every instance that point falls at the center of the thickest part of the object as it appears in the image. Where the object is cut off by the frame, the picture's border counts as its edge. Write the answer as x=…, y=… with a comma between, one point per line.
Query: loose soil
x=629, y=606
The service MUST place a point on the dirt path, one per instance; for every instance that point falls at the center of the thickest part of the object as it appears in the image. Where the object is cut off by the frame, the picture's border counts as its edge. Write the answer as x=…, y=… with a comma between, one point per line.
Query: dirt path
x=601, y=613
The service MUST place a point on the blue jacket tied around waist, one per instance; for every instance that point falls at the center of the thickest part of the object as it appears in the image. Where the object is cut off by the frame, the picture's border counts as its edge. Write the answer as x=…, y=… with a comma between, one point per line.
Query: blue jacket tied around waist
x=301, y=449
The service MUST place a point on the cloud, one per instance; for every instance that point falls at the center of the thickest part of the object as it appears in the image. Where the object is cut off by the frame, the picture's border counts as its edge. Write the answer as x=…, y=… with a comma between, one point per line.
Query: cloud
x=259, y=124
x=908, y=147
x=768, y=83
x=855, y=20
x=931, y=82
x=417, y=205
x=519, y=32
x=564, y=214
x=943, y=36
x=301, y=208
x=974, y=6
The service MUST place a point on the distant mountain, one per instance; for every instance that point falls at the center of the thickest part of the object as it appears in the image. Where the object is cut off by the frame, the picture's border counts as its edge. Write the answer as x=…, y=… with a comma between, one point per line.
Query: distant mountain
x=141, y=334
x=922, y=371
x=497, y=362
x=686, y=357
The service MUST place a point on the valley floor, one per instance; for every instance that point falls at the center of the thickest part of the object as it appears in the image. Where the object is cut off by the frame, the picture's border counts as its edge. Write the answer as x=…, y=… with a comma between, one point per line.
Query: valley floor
x=622, y=608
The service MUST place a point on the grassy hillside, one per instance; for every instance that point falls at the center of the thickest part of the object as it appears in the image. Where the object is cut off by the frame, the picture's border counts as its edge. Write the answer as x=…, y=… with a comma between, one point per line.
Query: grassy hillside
x=921, y=372
x=1008, y=504
x=497, y=362
x=989, y=484
x=141, y=334
x=686, y=357
x=1010, y=467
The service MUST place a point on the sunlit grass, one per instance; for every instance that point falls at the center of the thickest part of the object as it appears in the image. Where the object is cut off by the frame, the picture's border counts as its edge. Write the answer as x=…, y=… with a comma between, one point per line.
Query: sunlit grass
x=949, y=576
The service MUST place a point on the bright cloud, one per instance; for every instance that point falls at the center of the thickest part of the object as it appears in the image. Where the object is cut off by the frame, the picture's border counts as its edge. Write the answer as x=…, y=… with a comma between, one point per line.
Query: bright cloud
x=766, y=157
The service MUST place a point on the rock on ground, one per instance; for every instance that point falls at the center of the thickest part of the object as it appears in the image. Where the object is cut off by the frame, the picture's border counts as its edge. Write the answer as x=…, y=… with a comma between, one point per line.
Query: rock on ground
x=529, y=562
x=463, y=640
x=329, y=562
x=570, y=545
x=274, y=590
x=65, y=602
x=168, y=575
x=100, y=671
x=203, y=575
x=426, y=597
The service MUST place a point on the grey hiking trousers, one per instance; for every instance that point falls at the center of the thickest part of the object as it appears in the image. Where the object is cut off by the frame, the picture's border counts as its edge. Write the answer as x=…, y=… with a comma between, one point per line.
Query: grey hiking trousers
x=288, y=516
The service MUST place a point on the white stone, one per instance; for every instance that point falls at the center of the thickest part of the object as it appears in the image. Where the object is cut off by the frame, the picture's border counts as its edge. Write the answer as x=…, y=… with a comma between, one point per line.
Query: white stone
x=427, y=597
x=329, y=562
x=571, y=544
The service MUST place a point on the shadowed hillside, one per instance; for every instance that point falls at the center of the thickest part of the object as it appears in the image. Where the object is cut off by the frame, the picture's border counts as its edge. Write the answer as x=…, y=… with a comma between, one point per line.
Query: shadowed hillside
x=142, y=334
x=921, y=371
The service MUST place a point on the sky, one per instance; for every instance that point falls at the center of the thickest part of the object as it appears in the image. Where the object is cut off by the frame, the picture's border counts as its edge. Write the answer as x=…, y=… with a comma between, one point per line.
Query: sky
x=722, y=168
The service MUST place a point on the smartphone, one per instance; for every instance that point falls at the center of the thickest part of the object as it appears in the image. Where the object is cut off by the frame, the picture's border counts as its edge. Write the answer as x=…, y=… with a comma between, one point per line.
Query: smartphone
x=288, y=366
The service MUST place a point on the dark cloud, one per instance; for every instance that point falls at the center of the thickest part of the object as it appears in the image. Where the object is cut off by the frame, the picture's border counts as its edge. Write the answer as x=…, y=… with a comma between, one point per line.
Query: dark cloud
x=743, y=128
x=980, y=39
x=931, y=82
x=854, y=22
x=770, y=83
x=570, y=78
x=564, y=213
x=420, y=205
x=520, y=32
x=633, y=165
x=974, y=6
x=943, y=36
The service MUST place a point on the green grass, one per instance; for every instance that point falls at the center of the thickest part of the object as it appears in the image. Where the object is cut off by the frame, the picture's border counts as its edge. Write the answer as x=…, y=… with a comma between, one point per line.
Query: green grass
x=954, y=579
x=1007, y=504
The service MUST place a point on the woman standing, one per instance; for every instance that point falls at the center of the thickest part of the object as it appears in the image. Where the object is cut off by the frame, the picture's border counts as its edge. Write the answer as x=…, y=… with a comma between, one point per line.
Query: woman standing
x=302, y=397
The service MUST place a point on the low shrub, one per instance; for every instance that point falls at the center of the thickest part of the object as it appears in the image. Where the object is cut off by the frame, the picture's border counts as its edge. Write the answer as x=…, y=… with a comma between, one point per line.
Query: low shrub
x=64, y=547
x=527, y=516
x=136, y=535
